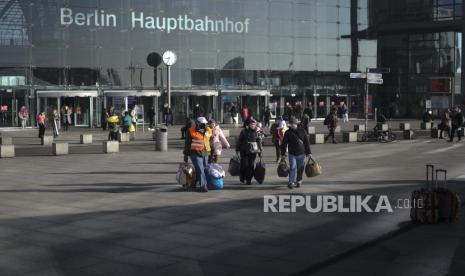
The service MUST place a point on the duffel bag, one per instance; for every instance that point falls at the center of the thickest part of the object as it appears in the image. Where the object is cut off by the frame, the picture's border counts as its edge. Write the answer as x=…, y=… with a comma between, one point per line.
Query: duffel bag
x=283, y=168
x=312, y=168
x=259, y=172
x=215, y=183
x=234, y=168
x=186, y=175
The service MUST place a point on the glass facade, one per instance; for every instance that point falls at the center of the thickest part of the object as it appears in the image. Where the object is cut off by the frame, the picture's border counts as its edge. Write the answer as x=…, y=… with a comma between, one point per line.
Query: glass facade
x=299, y=50
x=421, y=42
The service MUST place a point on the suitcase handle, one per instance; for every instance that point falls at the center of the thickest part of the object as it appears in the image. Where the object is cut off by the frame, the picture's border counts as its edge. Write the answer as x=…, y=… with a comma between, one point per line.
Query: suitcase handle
x=445, y=177
x=429, y=182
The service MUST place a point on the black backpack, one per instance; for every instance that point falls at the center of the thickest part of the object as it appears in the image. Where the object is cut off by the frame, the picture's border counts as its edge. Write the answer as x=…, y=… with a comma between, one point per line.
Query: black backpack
x=326, y=121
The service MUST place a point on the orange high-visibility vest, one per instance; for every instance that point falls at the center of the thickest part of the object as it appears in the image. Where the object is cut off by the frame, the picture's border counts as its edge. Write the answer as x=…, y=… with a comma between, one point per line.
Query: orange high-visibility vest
x=200, y=141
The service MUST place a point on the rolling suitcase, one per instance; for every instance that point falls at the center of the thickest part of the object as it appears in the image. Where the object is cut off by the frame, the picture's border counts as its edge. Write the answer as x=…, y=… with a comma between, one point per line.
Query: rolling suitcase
x=424, y=201
x=260, y=171
x=448, y=201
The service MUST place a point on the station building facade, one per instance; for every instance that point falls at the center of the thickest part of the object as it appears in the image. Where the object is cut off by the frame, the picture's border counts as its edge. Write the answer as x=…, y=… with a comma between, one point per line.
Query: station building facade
x=93, y=54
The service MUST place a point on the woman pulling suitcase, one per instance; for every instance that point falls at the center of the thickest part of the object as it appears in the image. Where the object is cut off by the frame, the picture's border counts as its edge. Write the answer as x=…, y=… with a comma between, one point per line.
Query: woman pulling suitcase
x=248, y=146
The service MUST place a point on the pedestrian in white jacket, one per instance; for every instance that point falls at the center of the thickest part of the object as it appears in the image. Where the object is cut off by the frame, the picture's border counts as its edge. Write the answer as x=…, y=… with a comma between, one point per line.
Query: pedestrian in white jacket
x=219, y=141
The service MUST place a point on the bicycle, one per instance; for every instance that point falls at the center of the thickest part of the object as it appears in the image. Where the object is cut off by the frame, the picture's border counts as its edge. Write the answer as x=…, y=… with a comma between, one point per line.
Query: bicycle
x=379, y=136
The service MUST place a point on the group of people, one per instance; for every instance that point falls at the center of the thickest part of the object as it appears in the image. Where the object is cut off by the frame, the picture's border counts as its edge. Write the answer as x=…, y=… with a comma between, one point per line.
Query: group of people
x=126, y=124
x=451, y=122
x=205, y=139
x=204, y=143
x=42, y=119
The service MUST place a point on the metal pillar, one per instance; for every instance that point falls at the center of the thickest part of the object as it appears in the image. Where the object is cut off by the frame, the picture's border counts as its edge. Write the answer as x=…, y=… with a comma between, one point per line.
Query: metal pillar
x=168, y=85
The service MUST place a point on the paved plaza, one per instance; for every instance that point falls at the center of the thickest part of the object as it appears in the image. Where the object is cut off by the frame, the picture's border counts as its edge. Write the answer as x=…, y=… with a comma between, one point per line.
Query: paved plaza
x=90, y=213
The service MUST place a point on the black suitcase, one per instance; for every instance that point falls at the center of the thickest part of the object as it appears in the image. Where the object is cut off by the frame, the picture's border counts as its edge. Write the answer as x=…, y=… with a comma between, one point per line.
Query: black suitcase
x=260, y=171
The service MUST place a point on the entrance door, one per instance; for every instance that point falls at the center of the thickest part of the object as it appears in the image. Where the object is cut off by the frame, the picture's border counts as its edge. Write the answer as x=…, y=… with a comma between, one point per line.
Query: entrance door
x=80, y=108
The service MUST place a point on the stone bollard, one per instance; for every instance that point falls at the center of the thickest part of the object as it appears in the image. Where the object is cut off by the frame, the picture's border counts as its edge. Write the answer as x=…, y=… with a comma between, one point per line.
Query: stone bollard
x=110, y=146
x=6, y=140
x=404, y=126
x=317, y=138
x=123, y=137
x=349, y=137
x=7, y=151
x=60, y=149
x=426, y=126
x=359, y=128
x=311, y=130
x=86, y=139
x=409, y=134
x=338, y=129
x=435, y=133
x=161, y=143
x=46, y=140
x=383, y=127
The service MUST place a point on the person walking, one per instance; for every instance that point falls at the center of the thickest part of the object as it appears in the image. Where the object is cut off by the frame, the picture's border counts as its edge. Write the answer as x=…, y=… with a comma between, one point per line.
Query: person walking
x=275, y=137
x=68, y=113
x=41, y=119
x=267, y=116
x=297, y=144
x=457, y=124
x=331, y=122
x=127, y=122
x=245, y=113
x=151, y=115
x=446, y=124
x=23, y=116
x=248, y=146
x=305, y=123
x=113, y=127
x=345, y=113
x=218, y=141
x=233, y=112
x=198, y=148
x=288, y=111
x=55, y=122
x=197, y=112
x=309, y=111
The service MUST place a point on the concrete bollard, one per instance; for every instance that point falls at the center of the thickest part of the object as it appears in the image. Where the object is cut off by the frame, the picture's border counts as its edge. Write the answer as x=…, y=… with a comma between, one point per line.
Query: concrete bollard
x=226, y=133
x=359, y=128
x=317, y=138
x=7, y=151
x=311, y=130
x=426, y=126
x=404, y=126
x=161, y=143
x=383, y=127
x=110, y=146
x=435, y=133
x=338, y=129
x=132, y=136
x=409, y=134
x=86, y=139
x=6, y=140
x=349, y=137
x=60, y=149
x=123, y=137
x=46, y=140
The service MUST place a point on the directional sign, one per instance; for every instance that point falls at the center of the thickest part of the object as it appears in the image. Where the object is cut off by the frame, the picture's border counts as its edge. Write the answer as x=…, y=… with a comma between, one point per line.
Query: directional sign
x=374, y=76
x=358, y=75
x=375, y=81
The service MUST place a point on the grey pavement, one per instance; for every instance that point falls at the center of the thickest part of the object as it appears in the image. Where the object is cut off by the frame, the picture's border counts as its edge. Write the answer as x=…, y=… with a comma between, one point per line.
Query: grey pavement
x=123, y=214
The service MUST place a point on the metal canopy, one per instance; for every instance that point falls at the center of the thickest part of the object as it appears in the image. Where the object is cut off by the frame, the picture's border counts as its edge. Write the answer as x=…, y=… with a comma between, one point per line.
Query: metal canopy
x=66, y=93
x=134, y=93
x=194, y=93
x=246, y=92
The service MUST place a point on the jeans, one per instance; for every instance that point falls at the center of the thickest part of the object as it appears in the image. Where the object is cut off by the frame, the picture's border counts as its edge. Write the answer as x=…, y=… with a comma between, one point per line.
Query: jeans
x=331, y=134
x=200, y=163
x=296, y=165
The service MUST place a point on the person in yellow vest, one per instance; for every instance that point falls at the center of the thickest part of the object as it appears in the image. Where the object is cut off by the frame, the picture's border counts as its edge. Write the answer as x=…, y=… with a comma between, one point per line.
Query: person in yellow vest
x=197, y=146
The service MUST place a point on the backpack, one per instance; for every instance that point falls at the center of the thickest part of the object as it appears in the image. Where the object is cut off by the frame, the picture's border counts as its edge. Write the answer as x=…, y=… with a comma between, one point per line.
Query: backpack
x=326, y=121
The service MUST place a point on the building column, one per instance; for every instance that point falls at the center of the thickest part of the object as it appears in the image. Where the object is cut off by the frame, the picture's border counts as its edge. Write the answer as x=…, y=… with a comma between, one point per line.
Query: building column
x=461, y=97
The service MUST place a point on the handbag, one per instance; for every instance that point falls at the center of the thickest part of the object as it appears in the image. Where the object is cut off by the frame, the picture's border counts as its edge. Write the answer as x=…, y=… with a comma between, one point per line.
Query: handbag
x=312, y=168
x=283, y=169
x=132, y=128
x=234, y=166
x=252, y=147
